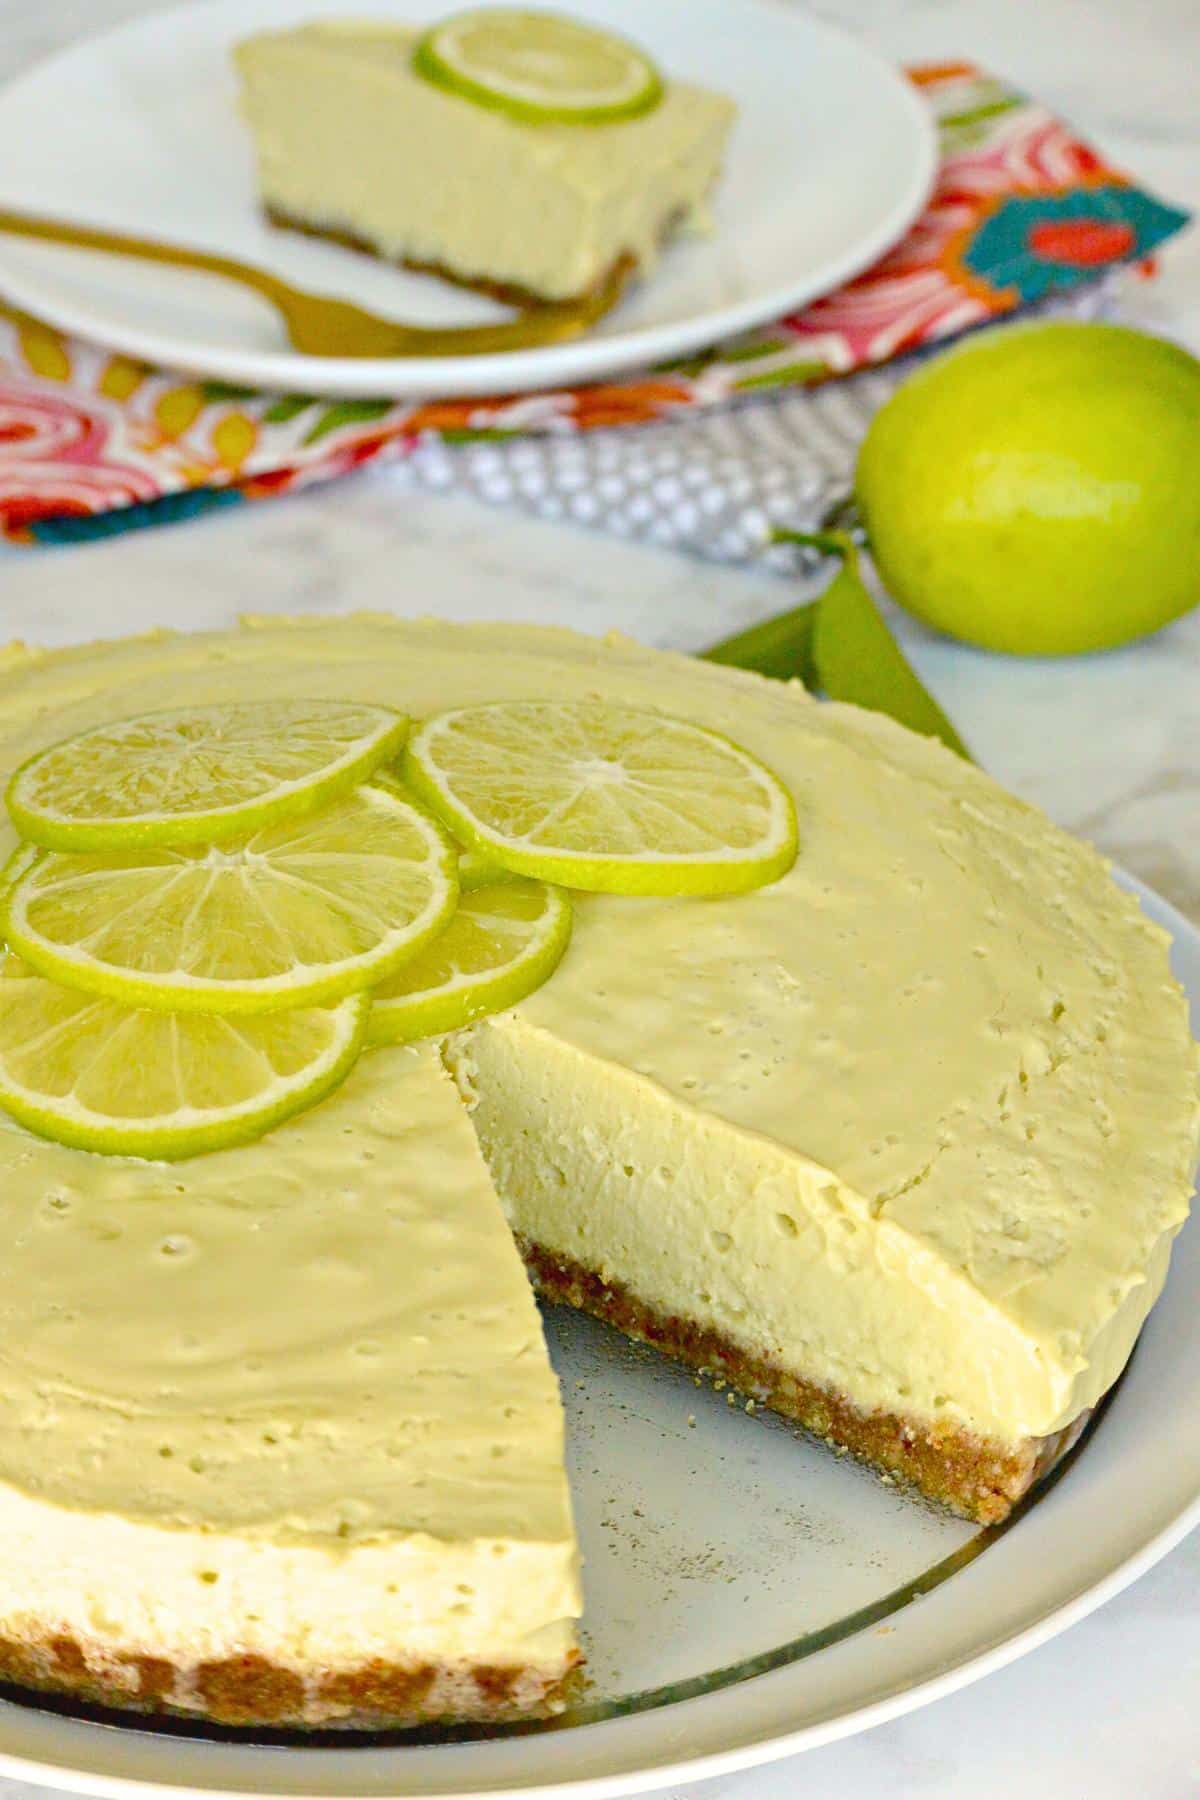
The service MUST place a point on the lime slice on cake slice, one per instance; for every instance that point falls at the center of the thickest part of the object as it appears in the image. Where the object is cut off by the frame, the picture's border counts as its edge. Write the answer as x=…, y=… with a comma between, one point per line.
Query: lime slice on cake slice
x=539, y=67
x=603, y=797
x=501, y=944
x=97, y=1075
x=296, y=914
x=199, y=774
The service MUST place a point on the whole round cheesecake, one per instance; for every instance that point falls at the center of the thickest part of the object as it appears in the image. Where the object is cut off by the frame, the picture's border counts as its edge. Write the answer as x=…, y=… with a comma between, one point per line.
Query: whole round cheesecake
x=898, y=1144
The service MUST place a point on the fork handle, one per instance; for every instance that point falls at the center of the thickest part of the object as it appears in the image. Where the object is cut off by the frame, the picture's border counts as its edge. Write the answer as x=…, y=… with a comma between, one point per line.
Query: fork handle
x=548, y=324
x=121, y=243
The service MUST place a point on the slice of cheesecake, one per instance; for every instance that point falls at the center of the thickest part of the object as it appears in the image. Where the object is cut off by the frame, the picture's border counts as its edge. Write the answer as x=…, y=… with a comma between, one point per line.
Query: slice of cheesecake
x=352, y=143
x=281, y=1441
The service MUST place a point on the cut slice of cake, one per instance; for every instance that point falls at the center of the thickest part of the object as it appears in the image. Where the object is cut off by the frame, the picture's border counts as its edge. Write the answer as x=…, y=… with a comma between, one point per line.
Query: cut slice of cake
x=351, y=142
x=282, y=1444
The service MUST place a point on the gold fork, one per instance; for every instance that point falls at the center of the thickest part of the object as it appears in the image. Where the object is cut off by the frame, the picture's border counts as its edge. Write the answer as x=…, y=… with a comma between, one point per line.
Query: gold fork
x=320, y=326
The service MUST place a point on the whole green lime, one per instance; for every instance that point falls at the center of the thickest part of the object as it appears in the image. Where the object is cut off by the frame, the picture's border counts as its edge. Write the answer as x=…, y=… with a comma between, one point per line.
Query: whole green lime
x=1037, y=490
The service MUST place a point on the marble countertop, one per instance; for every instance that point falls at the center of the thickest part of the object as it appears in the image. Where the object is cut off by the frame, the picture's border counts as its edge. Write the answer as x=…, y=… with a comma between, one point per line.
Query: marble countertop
x=1110, y=746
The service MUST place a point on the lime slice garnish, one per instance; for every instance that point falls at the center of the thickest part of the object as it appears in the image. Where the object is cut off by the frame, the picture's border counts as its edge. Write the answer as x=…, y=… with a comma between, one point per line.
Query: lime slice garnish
x=503, y=942
x=538, y=66
x=476, y=871
x=608, y=798
x=97, y=1075
x=199, y=774
x=297, y=914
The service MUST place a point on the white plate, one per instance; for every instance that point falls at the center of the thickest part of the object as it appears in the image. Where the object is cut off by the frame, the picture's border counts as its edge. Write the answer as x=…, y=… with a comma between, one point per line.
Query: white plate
x=831, y=159
x=723, y=1548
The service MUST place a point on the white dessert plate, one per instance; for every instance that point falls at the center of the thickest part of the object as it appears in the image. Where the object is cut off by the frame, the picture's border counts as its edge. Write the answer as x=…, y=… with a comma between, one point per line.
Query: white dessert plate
x=748, y=1594
x=831, y=159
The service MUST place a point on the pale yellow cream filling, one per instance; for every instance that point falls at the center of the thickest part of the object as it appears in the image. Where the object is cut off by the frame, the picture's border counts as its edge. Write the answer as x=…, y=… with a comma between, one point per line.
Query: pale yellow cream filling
x=321, y=1347
x=946, y=1025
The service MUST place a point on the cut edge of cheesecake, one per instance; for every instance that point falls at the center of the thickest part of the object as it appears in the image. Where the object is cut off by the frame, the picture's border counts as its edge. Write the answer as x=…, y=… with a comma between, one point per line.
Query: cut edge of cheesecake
x=977, y=1478
x=506, y=293
x=196, y=1595
x=611, y=1275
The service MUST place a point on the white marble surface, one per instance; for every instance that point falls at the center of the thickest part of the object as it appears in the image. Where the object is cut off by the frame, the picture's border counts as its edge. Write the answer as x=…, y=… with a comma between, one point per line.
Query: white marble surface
x=1109, y=745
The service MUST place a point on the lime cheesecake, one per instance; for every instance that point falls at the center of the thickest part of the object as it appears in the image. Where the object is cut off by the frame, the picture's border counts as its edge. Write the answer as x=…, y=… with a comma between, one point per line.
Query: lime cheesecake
x=281, y=1440
x=897, y=1141
x=358, y=137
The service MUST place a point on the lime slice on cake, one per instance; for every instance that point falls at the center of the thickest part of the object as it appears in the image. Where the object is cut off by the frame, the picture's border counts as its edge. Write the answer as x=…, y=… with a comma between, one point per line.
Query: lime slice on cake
x=541, y=67
x=503, y=942
x=608, y=798
x=97, y=1075
x=199, y=774
x=476, y=871
x=296, y=914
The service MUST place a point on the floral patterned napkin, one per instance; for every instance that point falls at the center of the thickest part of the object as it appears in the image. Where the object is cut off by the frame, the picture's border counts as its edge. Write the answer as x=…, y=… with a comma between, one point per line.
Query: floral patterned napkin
x=1022, y=212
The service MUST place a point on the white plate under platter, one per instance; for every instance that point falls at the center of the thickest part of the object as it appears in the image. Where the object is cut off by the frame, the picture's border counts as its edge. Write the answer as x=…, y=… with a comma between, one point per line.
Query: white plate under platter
x=747, y=1592
x=831, y=159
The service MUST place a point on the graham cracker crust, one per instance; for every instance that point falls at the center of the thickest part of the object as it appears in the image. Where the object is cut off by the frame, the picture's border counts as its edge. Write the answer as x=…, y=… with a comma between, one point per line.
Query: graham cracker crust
x=252, y=1690
x=975, y=1477
x=507, y=293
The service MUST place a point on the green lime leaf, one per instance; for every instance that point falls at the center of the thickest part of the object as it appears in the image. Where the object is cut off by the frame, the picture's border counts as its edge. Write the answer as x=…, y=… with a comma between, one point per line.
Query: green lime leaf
x=857, y=658
x=781, y=647
x=840, y=644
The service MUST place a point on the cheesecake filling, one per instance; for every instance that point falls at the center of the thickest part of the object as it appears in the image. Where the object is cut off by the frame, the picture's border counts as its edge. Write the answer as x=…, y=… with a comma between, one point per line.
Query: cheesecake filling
x=123, y=1589
x=295, y=1394
x=768, y=1250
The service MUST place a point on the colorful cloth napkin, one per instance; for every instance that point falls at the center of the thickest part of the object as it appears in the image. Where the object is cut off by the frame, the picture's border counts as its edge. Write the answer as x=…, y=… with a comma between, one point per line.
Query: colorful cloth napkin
x=750, y=433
